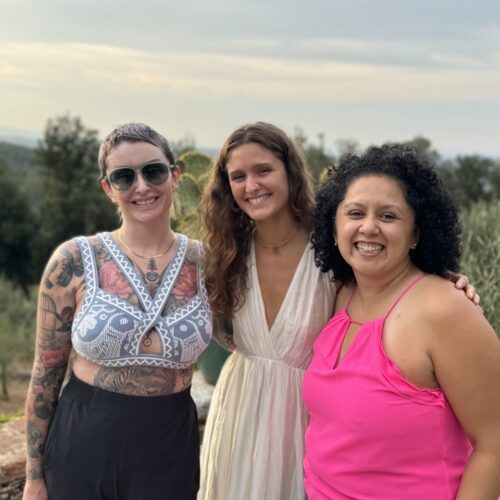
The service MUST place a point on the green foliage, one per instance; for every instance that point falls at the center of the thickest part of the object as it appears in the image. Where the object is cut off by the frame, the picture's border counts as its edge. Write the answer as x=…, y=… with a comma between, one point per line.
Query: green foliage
x=72, y=201
x=17, y=327
x=187, y=199
x=481, y=256
x=424, y=147
x=18, y=158
x=316, y=156
x=189, y=225
x=475, y=178
x=10, y=418
x=194, y=163
x=187, y=196
x=194, y=166
x=17, y=229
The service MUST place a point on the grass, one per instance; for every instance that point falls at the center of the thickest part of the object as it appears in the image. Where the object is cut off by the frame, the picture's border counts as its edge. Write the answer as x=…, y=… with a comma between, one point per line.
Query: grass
x=481, y=256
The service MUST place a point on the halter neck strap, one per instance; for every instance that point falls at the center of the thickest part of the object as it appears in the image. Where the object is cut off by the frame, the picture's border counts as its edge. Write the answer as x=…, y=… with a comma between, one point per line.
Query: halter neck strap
x=403, y=293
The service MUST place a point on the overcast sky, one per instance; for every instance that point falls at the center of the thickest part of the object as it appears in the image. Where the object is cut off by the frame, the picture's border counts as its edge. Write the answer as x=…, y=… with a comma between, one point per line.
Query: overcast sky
x=373, y=70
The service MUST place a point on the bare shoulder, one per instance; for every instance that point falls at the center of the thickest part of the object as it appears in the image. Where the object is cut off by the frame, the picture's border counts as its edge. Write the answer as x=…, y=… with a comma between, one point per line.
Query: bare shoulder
x=448, y=312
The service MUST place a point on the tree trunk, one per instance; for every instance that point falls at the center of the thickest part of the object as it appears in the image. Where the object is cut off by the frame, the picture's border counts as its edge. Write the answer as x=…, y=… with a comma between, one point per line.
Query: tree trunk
x=5, y=391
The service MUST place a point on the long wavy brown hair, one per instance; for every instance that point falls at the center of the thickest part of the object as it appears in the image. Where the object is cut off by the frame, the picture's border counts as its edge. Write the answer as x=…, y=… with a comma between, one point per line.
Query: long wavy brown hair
x=228, y=230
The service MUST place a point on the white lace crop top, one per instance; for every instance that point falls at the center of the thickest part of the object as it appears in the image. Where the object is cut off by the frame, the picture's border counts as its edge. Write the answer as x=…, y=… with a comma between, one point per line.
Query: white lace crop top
x=108, y=330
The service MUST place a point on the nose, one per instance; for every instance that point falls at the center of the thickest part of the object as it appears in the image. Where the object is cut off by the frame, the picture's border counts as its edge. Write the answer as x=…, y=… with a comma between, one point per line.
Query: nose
x=251, y=184
x=140, y=184
x=369, y=225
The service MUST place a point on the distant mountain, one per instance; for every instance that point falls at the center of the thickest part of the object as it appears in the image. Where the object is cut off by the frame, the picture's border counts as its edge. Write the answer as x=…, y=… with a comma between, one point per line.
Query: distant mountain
x=18, y=158
x=28, y=138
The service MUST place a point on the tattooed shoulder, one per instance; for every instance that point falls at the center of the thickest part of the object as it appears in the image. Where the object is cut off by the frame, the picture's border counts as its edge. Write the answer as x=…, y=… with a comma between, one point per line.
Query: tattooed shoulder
x=63, y=266
x=101, y=252
x=194, y=251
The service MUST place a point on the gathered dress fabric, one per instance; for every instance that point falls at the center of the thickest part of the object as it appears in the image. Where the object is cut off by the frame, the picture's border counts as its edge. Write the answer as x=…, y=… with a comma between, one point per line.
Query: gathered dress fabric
x=253, y=444
x=372, y=433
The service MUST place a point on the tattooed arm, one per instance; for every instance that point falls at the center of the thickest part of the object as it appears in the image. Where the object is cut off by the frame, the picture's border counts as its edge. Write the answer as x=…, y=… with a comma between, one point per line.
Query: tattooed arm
x=223, y=333
x=56, y=306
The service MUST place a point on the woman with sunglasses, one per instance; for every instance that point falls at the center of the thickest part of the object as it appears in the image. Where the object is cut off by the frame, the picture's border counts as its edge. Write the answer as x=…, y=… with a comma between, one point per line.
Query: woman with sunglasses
x=258, y=210
x=131, y=305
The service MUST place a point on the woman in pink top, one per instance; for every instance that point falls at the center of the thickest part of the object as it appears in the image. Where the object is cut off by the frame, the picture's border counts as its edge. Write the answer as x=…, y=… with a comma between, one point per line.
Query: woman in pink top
x=402, y=389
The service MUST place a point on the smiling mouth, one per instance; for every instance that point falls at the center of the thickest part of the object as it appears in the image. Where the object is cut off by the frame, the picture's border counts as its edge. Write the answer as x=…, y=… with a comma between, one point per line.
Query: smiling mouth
x=141, y=203
x=369, y=248
x=256, y=200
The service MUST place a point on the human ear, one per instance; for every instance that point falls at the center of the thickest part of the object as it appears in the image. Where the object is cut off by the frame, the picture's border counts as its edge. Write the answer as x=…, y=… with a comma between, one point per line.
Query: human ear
x=107, y=189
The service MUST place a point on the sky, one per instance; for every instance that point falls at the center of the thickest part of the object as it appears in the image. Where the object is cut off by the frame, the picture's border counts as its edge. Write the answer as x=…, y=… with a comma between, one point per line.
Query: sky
x=371, y=70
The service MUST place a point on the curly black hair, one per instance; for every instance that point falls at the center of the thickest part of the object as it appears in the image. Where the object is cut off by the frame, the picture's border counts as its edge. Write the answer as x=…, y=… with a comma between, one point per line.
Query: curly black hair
x=436, y=215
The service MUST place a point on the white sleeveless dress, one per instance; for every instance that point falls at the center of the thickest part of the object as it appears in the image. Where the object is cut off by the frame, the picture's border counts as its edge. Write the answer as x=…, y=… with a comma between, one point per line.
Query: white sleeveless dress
x=253, y=444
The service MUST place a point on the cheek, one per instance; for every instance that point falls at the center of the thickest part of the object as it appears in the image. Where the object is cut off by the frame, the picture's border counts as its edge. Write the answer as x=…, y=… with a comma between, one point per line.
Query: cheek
x=236, y=192
x=343, y=228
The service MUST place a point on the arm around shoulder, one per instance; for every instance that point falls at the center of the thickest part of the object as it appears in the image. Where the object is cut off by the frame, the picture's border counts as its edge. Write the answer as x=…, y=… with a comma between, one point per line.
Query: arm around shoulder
x=465, y=352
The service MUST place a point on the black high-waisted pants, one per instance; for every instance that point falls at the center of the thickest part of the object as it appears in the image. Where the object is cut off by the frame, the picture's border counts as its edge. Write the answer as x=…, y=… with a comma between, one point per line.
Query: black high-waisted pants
x=107, y=446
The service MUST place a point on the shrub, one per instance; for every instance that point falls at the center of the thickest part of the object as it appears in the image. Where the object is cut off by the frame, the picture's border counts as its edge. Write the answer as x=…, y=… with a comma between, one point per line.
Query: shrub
x=17, y=328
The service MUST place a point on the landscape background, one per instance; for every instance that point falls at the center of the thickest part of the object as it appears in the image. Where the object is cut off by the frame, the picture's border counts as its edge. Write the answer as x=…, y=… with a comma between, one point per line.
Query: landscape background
x=50, y=193
x=338, y=75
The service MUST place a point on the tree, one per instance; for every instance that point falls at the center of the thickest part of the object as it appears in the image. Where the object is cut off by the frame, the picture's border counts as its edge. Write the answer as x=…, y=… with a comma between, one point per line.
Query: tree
x=17, y=230
x=347, y=146
x=476, y=178
x=424, y=147
x=72, y=201
x=316, y=156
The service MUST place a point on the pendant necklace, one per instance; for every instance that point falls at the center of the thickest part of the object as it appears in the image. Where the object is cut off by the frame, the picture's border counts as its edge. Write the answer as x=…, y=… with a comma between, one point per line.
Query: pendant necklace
x=279, y=245
x=152, y=274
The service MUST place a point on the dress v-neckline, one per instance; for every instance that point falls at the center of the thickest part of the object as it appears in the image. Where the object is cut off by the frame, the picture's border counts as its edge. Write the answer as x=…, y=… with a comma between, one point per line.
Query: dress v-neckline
x=282, y=307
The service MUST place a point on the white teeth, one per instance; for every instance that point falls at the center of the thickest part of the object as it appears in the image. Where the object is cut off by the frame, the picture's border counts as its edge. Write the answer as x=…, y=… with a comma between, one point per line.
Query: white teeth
x=369, y=247
x=145, y=202
x=257, y=199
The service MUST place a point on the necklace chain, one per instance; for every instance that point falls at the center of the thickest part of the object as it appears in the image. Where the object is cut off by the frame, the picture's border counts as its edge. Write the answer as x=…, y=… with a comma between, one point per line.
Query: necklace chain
x=143, y=256
x=279, y=245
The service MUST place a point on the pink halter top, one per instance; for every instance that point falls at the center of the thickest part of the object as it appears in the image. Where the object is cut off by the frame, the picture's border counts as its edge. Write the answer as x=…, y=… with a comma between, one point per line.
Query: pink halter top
x=373, y=434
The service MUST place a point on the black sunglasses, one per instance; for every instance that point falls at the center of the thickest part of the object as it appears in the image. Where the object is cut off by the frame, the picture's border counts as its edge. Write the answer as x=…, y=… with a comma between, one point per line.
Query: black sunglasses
x=124, y=178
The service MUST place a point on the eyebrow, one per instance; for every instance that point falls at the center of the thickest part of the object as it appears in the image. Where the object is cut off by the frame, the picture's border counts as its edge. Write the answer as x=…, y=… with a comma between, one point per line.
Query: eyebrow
x=354, y=204
x=154, y=160
x=256, y=165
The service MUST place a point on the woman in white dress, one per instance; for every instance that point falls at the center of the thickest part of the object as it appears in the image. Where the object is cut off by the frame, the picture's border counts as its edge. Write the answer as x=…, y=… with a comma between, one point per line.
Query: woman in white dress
x=257, y=208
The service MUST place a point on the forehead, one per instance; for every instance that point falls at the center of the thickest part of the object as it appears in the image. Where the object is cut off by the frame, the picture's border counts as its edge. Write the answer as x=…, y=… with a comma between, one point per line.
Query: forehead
x=249, y=155
x=134, y=154
x=375, y=188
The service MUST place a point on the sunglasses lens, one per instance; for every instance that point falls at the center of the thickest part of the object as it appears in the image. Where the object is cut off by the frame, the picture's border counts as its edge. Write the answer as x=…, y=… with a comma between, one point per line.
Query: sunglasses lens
x=122, y=178
x=155, y=173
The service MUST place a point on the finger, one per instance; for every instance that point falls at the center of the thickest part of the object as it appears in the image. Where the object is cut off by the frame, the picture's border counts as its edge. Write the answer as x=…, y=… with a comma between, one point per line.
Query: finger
x=461, y=283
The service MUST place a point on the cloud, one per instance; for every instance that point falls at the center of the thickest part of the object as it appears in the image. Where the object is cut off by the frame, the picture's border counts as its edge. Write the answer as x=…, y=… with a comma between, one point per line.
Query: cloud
x=78, y=69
